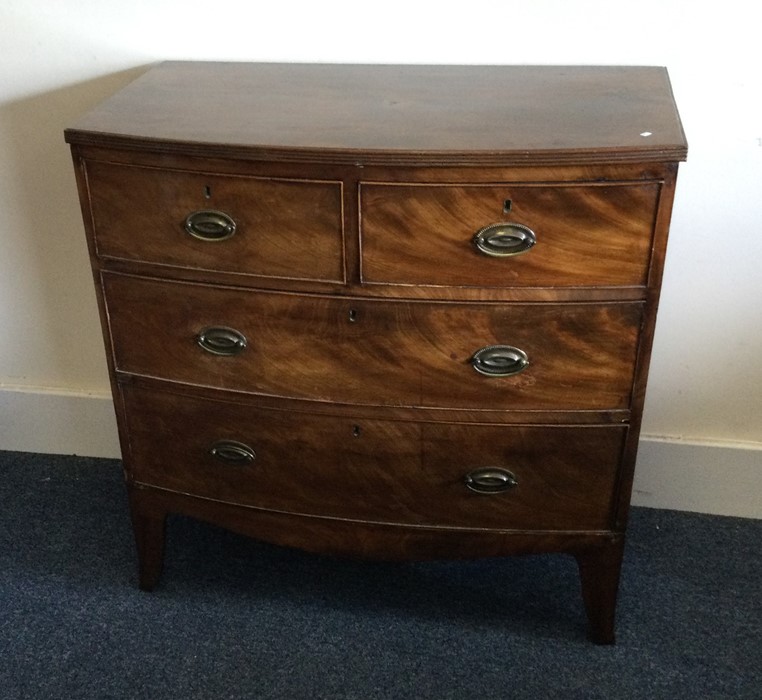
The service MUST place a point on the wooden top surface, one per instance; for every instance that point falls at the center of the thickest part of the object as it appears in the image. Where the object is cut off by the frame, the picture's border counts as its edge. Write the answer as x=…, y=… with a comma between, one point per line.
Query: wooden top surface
x=499, y=115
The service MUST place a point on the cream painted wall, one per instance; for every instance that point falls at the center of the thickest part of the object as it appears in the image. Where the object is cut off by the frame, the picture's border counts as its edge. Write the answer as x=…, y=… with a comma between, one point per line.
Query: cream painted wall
x=59, y=58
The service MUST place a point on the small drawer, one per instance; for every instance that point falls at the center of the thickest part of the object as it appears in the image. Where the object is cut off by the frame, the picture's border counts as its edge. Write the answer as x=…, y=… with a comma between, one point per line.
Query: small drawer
x=450, y=475
x=557, y=235
x=267, y=227
x=573, y=356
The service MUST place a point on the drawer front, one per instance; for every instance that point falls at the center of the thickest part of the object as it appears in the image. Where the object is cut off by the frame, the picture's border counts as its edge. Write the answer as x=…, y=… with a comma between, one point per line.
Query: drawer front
x=289, y=229
x=585, y=234
x=392, y=353
x=384, y=471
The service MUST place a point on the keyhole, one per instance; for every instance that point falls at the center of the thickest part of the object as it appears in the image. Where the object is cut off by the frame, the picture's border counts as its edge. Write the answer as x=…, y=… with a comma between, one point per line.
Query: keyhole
x=507, y=204
x=208, y=192
x=356, y=431
x=352, y=315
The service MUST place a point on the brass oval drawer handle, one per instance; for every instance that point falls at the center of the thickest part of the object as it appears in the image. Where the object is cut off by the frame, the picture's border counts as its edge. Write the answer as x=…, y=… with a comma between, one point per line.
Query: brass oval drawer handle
x=499, y=361
x=490, y=480
x=210, y=225
x=219, y=340
x=504, y=240
x=232, y=452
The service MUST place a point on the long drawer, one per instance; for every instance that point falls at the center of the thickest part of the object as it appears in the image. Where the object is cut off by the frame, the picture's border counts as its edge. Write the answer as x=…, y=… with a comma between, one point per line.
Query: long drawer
x=268, y=227
x=453, y=475
x=392, y=353
x=508, y=235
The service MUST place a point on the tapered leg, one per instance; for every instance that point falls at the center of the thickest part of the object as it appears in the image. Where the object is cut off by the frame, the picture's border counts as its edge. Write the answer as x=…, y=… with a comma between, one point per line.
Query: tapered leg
x=149, y=528
x=599, y=571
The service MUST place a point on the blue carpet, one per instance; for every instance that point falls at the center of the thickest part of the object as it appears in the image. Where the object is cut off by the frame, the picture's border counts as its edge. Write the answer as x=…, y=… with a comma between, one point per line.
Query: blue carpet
x=233, y=618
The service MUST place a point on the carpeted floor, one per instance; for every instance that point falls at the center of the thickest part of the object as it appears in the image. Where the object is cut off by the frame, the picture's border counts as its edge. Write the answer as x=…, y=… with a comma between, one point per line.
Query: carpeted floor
x=233, y=618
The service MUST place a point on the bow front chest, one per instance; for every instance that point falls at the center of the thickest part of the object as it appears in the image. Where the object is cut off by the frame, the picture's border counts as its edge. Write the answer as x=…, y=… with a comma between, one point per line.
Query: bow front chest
x=398, y=312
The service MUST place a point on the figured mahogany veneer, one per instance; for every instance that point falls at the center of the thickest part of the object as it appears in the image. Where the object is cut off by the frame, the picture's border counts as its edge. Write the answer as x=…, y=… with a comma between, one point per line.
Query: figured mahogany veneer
x=365, y=351
x=310, y=338
x=286, y=228
x=592, y=234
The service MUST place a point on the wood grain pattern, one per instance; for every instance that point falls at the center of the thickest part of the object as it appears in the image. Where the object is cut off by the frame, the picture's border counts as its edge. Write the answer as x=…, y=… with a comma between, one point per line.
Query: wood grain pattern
x=386, y=471
x=587, y=234
x=358, y=190
x=286, y=228
x=394, y=114
x=581, y=356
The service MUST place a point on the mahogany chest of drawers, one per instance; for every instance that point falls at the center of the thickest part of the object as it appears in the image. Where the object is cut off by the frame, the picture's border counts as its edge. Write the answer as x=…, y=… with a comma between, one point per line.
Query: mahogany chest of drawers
x=383, y=311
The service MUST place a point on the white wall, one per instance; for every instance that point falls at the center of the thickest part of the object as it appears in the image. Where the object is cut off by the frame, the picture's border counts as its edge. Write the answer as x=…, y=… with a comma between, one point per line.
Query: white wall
x=59, y=58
